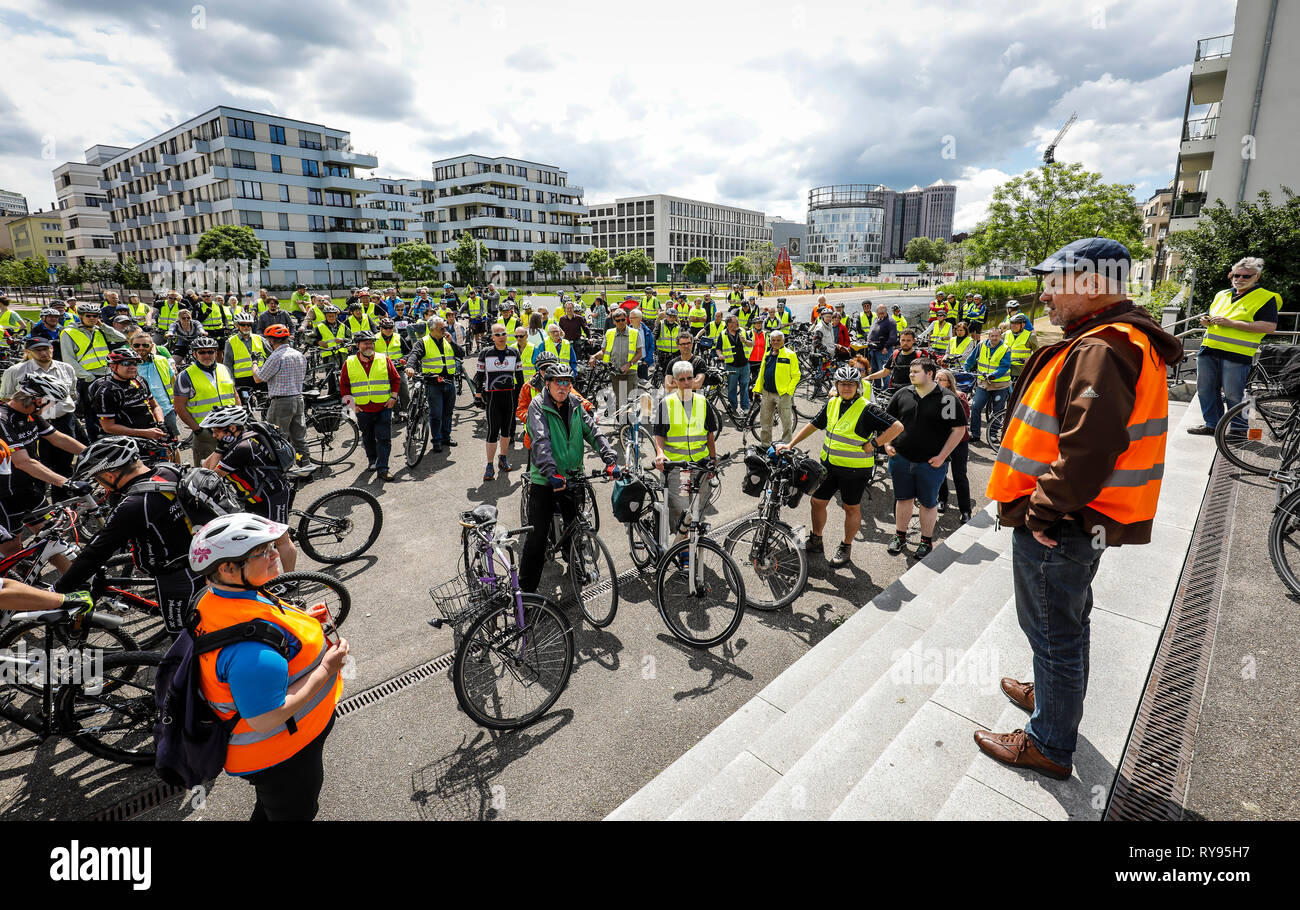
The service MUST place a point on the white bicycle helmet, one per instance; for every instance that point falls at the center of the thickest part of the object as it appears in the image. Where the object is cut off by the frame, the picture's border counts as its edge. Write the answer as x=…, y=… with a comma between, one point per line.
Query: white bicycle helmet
x=229, y=416
x=848, y=374
x=229, y=538
x=108, y=453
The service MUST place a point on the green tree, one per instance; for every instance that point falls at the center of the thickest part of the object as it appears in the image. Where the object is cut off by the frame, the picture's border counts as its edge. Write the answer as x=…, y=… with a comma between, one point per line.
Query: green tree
x=739, y=267
x=1261, y=228
x=957, y=258
x=230, y=241
x=633, y=262
x=1035, y=214
x=414, y=261
x=468, y=257
x=812, y=268
x=762, y=255
x=598, y=261
x=697, y=269
x=549, y=263
x=920, y=249
x=127, y=274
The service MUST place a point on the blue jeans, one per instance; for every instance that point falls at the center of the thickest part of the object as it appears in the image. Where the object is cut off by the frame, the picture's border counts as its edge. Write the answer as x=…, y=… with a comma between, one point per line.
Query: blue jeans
x=878, y=360
x=916, y=480
x=738, y=386
x=1053, y=603
x=1218, y=379
x=980, y=401
x=441, y=397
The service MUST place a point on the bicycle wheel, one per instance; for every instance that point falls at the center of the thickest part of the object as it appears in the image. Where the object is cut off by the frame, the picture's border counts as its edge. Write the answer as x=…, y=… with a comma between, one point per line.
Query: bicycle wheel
x=306, y=589
x=641, y=540
x=702, y=604
x=508, y=674
x=1269, y=421
x=996, y=426
x=417, y=430
x=754, y=427
x=464, y=393
x=593, y=580
x=1284, y=541
x=33, y=639
x=772, y=564
x=115, y=720
x=340, y=525
x=333, y=446
x=644, y=441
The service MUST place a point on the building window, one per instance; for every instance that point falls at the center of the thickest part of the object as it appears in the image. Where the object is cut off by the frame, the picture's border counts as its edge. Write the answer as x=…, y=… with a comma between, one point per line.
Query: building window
x=319, y=250
x=313, y=197
x=342, y=170
x=276, y=167
x=243, y=158
x=343, y=199
x=284, y=193
x=308, y=140
x=252, y=219
x=290, y=250
x=277, y=135
x=316, y=223
x=242, y=129
x=248, y=189
x=310, y=168
x=284, y=221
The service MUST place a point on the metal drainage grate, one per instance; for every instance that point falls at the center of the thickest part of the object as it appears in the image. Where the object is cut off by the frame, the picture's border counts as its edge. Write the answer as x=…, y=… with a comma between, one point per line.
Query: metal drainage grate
x=1152, y=781
x=393, y=686
x=138, y=803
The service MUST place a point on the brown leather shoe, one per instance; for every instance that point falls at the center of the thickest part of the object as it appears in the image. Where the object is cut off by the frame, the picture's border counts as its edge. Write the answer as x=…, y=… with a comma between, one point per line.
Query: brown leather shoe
x=1021, y=694
x=1018, y=750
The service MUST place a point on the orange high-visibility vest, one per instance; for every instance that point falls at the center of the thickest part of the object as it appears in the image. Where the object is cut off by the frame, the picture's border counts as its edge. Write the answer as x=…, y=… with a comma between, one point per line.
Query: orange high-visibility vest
x=249, y=750
x=1031, y=443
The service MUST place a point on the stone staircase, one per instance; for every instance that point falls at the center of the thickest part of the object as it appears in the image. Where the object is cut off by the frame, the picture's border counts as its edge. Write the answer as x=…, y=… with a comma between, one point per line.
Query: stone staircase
x=876, y=721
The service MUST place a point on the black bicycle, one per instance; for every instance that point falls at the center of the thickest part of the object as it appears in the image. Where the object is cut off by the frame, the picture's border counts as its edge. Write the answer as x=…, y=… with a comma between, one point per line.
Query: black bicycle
x=592, y=578
x=767, y=550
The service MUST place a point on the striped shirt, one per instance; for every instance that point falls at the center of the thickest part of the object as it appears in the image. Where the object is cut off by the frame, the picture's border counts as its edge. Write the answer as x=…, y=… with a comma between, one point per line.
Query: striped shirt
x=284, y=371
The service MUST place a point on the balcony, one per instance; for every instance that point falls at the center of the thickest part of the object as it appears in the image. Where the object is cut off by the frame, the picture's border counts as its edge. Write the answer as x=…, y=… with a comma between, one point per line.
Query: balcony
x=349, y=156
x=202, y=146
x=144, y=167
x=1214, y=48
x=167, y=160
x=1210, y=69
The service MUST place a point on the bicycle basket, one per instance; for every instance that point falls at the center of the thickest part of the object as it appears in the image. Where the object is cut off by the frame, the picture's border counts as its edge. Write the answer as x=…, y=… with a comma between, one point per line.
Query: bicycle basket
x=327, y=419
x=628, y=499
x=459, y=601
x=757, y=472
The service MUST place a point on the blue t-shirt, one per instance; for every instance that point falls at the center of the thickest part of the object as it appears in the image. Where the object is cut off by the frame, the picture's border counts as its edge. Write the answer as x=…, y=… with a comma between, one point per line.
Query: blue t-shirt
x=256, y=673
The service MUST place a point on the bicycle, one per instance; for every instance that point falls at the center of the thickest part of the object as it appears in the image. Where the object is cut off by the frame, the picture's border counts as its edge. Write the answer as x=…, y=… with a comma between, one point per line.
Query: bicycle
x=746, y=421
x=995, y=427
x=332, y=435
x=515, y=656
x=102, y=700
x=1272, y=431
x=335, y=518
x=698, y=586
x=589, y=562
x=772, y=559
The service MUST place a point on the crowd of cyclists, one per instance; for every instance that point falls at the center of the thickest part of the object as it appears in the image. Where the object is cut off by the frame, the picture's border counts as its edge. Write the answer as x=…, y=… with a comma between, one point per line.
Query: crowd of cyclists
x=107, y=394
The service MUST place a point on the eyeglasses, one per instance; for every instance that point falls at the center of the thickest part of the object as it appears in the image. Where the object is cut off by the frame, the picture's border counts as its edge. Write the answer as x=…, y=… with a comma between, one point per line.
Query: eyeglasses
x=262, y=552
x=562, y=382
x=498, y=334
x=1244, y=275
x=142, y=347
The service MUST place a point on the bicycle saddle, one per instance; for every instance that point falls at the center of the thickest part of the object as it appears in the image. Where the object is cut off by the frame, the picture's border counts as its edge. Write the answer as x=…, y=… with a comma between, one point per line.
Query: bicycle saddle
x=485, y=514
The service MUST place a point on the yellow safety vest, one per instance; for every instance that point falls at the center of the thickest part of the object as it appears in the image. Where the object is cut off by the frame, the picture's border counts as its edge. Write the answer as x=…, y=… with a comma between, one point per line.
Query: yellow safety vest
x=667, y=341
x=369, y=386
x=842, y=446
x=787, y=372
x=650, y=308
x=1019, y=345
x=92, y=351
x=632, y=335
x=939, y=337
x=716, y=330
x=391, y=346
x=213, y=319
x=960, y=347
x=864, y=321
x=167, y=315
x=687, y=440
x=901, y=322
x=1237, y=341
x=333, y=338
x=362, y=326
x=699, y=317
x=438, y=358
x=746, y=345
x=209, y=394
x=991, y=360
x=562, y=351
x=243, y=358
x=139, y=312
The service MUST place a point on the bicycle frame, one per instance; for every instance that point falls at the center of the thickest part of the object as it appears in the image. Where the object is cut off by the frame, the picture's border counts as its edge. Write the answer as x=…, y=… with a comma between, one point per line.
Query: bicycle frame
x=491, y=548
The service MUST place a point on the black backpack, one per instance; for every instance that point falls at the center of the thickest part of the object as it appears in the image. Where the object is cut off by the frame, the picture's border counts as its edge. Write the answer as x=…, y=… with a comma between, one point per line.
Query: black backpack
x=202, y=494
x=191, y=738
x=274, y=441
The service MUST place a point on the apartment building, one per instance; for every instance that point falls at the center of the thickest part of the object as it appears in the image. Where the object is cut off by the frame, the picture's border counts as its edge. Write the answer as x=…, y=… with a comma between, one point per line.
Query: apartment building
x=83, y=207
x=1155, y=234
x=673, y=230
x=12, y=204
x=37, y=234
x=1241, y=119
x=391, y=206
x=294, y=182
x=512, y=206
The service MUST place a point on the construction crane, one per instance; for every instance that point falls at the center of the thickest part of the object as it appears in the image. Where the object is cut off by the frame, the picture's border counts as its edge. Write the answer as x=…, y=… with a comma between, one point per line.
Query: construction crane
x=1049, y=154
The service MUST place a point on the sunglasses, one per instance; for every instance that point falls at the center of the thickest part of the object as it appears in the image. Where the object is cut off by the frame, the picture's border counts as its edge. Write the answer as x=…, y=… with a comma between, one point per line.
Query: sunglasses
x=563, y=382
x=1244, y=275
x=498, y=334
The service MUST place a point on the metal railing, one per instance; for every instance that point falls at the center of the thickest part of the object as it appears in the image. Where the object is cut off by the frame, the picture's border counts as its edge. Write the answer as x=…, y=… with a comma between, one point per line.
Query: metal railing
x=1188, y=205
x=1210, y=48
x=1202, y=128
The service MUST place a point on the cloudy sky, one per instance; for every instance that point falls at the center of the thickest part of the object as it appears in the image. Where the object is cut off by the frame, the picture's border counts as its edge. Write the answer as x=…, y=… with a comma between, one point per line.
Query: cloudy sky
x=749, y=104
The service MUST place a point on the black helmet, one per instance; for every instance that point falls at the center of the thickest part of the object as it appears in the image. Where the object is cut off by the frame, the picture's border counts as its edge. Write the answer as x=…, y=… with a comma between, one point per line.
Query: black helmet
x=364, y=336
x=37, y=385
x=124, y=356
x=557, y=370
x=387, y=323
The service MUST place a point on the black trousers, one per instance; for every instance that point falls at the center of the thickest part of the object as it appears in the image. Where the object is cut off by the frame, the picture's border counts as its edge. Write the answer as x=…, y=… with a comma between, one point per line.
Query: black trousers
x=51, y=455
x=290, y=791
x=957, y=465
x=87, y=411
x=542, y=500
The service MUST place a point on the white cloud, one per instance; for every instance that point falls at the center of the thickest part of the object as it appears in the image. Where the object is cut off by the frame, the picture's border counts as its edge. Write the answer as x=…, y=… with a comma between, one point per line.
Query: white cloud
x=974, y=189
x=1025, y=79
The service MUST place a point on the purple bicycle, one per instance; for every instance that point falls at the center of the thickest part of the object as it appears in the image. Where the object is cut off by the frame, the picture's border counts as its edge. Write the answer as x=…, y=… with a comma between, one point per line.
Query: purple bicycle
x=514, y=650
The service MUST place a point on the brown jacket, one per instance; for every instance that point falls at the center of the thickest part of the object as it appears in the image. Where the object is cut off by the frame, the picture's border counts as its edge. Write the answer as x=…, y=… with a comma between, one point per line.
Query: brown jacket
x=1093, y=428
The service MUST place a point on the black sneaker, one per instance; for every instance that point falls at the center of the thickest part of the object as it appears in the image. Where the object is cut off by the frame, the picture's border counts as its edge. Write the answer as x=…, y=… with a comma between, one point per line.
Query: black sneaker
x=924, y=549
x=1201, y=431
x=965, y=517
x=449, y=442
x=943, y=506
x=814, y=544
x=897, y=545
x=843, y=555
x=437, y=450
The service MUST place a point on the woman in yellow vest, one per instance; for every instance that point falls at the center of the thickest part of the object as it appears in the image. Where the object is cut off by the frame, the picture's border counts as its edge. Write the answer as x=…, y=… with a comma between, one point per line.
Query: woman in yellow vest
x=1237, y=322
x=960, y=344
x=281, y=696
x=167, y=311
x=854, y=429
x=244, y=350
x=939, y=337
x=560, y=347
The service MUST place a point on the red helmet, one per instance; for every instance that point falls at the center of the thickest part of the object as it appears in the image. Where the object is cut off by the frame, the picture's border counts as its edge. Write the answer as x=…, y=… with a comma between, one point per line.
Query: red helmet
x=276, y=330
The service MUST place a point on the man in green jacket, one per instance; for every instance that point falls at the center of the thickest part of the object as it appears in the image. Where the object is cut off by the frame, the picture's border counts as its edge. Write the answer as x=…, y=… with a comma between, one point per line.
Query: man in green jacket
x=559, y=428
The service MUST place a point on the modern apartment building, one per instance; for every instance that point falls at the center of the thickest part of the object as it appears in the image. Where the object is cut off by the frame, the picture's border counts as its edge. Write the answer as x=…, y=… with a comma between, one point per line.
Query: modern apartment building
x=83, y=209
x=295, y=183
x=673, y=230
x=12, y=203
x=391, y=205
x=788, y=234
x=37, y=234
x=853, y=228
x=513, y=207
x=1241, y=120
x=1155, y=234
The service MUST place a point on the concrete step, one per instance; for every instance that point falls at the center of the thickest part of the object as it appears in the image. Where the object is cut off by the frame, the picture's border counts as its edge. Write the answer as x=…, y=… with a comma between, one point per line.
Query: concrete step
x=685, y=777
x=817, y=782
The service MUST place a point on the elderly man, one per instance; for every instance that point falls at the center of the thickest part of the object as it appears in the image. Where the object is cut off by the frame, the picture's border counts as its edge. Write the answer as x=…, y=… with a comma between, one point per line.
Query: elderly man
x=1072, y=478
x=1237, y=322
x=1021, y=340
x=733, y=348
x=564, y=350
x=61, y=412
x=369, y=384
x=623, y=350
x=990, y=361
x=684, y=431
x=438, y=356
x=283, y=371
x=778, y=374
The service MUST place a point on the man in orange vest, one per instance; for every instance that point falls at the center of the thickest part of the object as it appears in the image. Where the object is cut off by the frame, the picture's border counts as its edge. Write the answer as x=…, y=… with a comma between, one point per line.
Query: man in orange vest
x=1075, y=474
